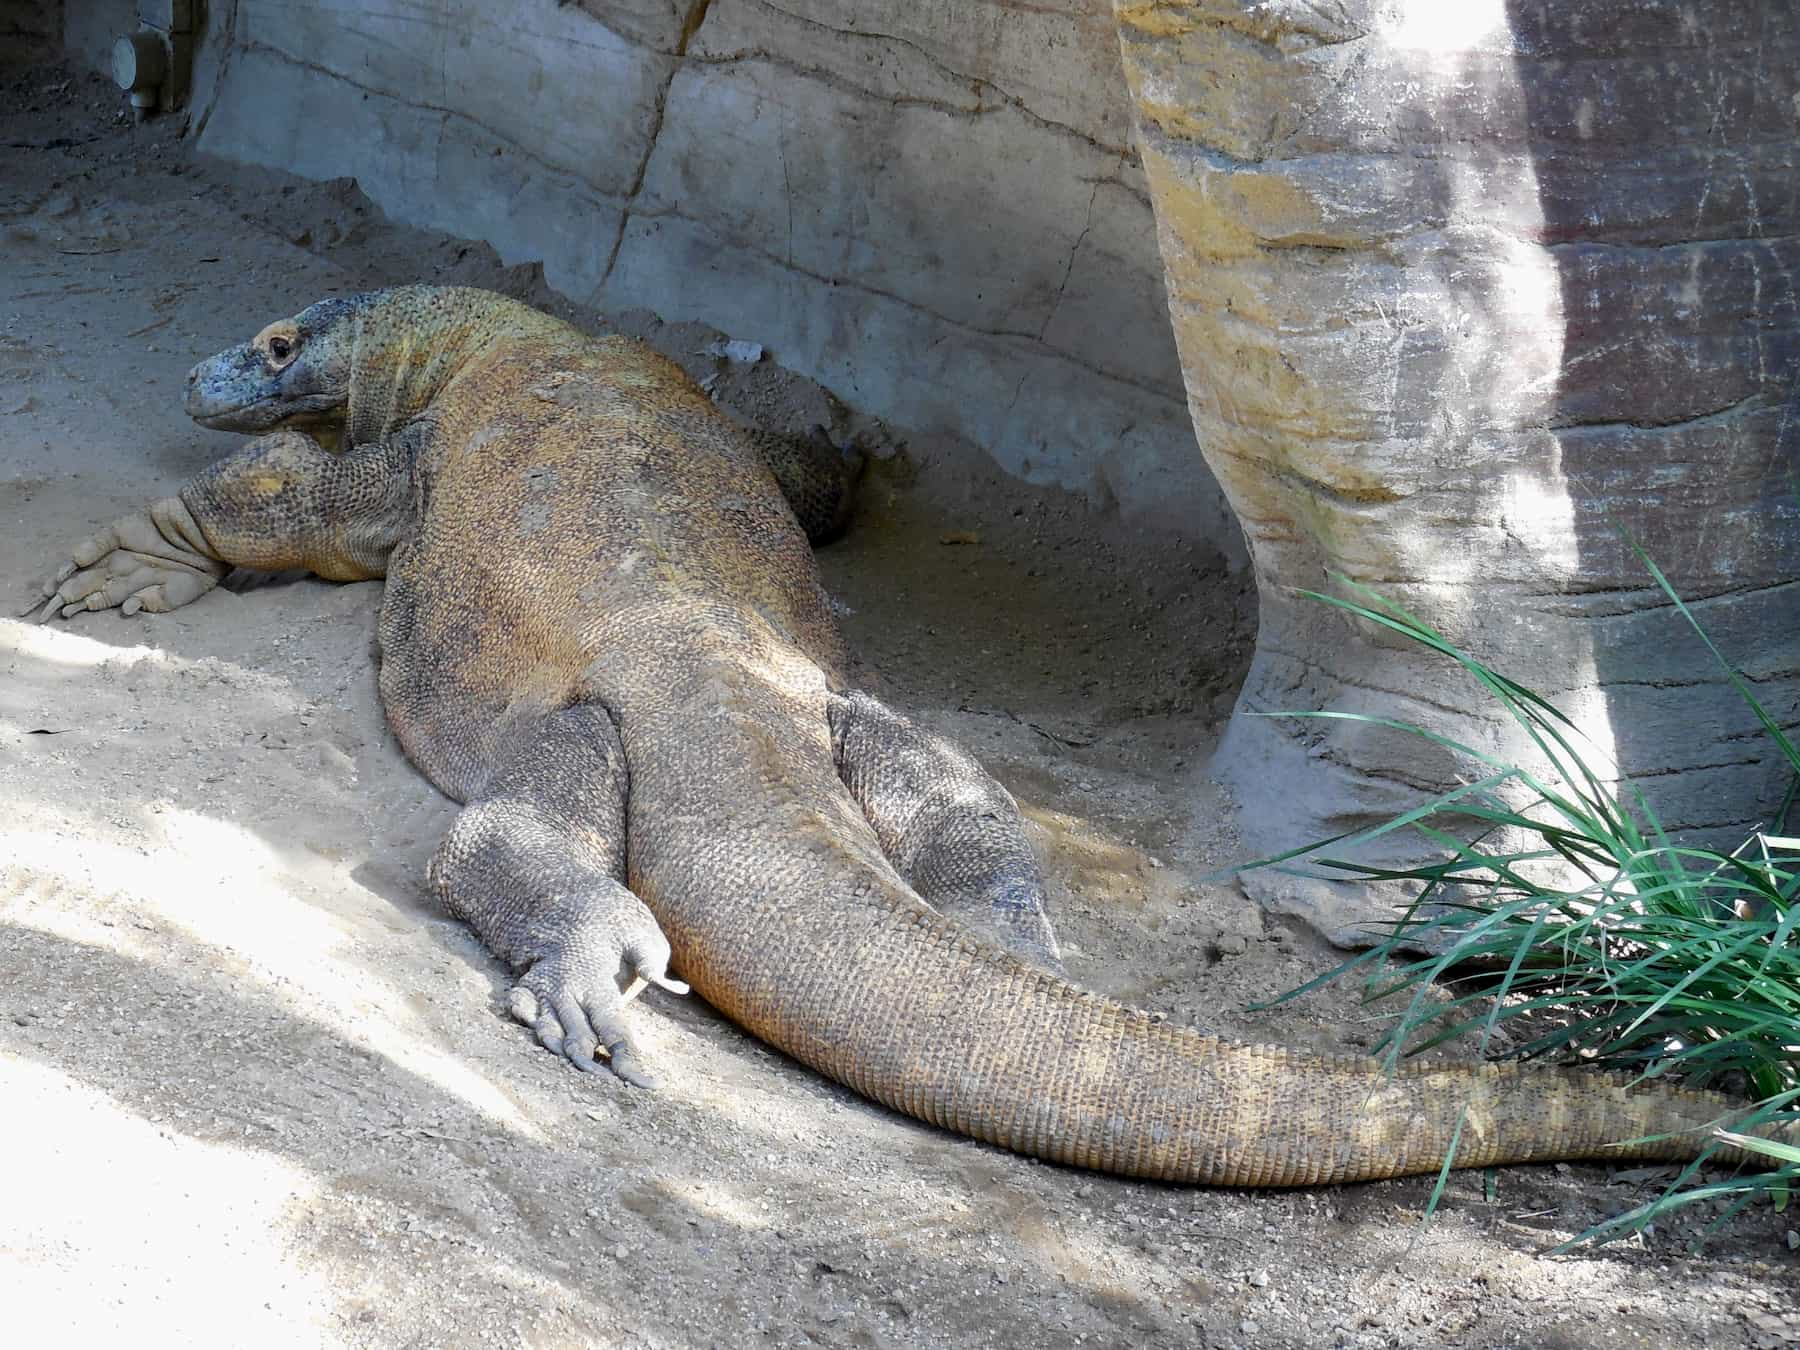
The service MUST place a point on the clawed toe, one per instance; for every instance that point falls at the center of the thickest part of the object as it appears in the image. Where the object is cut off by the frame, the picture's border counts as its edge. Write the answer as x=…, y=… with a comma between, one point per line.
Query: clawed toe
x=623, y=1059
x=586, y=1027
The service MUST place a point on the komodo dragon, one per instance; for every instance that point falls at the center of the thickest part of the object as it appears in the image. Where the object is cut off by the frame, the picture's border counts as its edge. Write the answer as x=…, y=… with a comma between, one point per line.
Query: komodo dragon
x=604, y=633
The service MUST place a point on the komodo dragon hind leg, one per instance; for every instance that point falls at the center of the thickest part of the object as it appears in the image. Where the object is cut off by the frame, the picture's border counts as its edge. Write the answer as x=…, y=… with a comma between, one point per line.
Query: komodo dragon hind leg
x=535, y=864
x=953, y=833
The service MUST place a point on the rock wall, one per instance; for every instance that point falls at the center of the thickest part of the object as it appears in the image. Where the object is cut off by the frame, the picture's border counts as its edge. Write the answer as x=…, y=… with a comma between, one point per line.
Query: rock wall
x=29, y=28
x=91, y=26
x=1461, y=290
x=935, y=210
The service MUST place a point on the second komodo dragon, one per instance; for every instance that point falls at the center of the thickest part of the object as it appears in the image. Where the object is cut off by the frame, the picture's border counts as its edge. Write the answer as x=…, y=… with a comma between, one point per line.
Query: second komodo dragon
x=604, y=632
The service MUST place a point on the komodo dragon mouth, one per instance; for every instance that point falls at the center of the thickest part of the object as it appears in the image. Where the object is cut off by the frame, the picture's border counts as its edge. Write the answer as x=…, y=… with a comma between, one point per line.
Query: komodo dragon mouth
x=264, y=415
x=238, y=391
x=604, y=632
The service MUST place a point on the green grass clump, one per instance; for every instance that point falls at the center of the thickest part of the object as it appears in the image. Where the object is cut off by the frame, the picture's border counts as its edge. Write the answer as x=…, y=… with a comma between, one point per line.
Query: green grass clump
x=1643, y=955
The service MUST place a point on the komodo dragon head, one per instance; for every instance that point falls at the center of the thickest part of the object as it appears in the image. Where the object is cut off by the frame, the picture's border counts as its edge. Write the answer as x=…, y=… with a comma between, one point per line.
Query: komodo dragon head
x=355, y=366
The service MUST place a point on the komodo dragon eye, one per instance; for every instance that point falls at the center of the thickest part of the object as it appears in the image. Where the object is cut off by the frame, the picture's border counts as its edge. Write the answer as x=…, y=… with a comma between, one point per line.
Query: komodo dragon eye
x=280, y=349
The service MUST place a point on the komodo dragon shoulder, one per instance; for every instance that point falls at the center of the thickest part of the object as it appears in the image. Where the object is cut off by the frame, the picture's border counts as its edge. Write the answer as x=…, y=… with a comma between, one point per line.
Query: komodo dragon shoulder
x=603, y=631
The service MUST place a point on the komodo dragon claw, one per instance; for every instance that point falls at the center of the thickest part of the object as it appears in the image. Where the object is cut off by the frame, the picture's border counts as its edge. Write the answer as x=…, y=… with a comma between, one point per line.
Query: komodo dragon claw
x=570, y=996
x=549, y=1020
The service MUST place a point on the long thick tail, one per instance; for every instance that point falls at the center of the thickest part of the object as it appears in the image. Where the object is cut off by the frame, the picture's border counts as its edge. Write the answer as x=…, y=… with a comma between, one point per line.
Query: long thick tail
x=910, y=1010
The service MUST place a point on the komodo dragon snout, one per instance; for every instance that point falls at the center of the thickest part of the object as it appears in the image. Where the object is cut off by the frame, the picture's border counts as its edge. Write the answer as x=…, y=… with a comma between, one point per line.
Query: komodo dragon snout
x=634, y=683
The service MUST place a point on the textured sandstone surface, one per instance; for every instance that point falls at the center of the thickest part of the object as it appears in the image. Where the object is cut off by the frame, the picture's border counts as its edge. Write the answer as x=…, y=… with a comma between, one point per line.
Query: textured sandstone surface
x=1458, y=290
x=935, y=210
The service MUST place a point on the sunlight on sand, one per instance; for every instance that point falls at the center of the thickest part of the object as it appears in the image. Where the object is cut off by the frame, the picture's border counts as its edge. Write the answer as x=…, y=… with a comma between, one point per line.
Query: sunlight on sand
x=227, y=889
x=212, y=880
x=118, y=1232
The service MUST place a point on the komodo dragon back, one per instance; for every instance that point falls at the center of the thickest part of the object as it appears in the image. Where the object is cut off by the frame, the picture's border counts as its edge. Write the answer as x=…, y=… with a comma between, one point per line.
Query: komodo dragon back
x=604, y=632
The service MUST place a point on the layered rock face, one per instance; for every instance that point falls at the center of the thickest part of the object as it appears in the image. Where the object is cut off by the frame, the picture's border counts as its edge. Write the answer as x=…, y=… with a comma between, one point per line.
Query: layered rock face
x=935, y=210
x=1461, y=291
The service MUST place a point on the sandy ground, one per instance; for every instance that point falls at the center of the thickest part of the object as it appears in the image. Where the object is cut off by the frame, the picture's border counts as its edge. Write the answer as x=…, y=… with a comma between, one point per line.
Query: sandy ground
x=254, y=1091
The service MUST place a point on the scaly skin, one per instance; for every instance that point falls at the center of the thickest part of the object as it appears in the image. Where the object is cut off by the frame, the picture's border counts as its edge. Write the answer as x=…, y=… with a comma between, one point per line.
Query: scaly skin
x=351, y=370
x=604, y=632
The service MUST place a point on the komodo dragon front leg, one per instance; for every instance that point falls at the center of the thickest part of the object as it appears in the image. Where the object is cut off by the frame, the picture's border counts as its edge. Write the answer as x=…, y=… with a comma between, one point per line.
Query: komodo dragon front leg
x=280, y=501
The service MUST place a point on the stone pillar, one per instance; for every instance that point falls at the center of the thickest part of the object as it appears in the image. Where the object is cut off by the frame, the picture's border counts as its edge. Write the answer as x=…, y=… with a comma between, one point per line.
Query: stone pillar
x=1459, y=287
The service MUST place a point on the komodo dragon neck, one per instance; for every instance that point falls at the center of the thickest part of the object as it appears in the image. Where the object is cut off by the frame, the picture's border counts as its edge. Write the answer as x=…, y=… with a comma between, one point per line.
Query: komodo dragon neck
x=404, y=354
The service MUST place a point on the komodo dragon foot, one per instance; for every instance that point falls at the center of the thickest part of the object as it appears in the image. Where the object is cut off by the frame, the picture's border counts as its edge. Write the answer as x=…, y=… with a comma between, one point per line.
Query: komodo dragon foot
x=536, y=864
x=953, y=832
x=570, y=996
x=154, y=559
